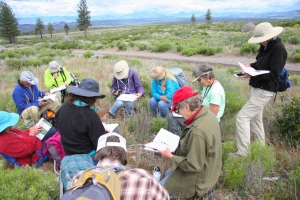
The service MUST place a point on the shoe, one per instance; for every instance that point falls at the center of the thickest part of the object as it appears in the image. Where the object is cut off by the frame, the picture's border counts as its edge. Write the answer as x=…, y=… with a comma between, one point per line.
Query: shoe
x=110, y=116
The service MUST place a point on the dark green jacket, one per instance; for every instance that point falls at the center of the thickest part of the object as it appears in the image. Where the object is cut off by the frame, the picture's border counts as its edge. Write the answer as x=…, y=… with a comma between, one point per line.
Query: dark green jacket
x=196, y=165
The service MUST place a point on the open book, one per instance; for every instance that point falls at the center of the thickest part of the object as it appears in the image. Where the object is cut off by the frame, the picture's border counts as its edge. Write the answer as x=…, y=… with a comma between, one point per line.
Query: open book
x=110, y=127
x=62, y=87
x=127, y=97
x=162, y=140
x=50, y=98
x=251, y=71
x=46, y=127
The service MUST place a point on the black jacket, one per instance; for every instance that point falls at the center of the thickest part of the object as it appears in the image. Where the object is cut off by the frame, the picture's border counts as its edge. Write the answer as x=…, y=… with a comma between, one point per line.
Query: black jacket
x=80, y=128
x=271, y=58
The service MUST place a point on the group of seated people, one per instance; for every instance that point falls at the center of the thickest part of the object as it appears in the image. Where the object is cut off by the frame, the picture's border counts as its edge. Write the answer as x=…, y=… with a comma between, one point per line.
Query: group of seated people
x=81, y=127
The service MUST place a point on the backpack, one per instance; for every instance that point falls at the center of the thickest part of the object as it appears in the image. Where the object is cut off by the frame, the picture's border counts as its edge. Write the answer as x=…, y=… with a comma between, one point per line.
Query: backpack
x=97, y=183
x=75, y=81
x=54, y=148
x=71, y=165
x=179, y=75
x=49, y=116
x=283, y=82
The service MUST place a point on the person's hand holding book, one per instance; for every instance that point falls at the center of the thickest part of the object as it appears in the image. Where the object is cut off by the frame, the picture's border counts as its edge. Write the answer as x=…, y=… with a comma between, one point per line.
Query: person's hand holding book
x=166, y=153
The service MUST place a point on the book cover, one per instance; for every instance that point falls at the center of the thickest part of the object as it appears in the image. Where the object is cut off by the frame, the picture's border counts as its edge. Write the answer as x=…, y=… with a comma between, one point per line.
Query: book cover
x=162, y=140
x=45, y=128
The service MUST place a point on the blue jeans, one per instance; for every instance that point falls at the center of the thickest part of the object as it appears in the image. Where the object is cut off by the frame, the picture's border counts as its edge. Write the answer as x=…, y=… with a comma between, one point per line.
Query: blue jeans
x=162, y=106
x=163, y=181
x=119, y=104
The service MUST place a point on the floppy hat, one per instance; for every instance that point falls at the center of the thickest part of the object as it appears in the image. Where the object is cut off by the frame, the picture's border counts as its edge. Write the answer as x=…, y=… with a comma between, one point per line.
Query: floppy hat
x=197, y=76
x=181, y=94
x=28, y=77
x=54, y=66
x=264, y=31
x=88, y=88
x=7, y=120
x=121, y=69
x=102, y=141
x=157, y=73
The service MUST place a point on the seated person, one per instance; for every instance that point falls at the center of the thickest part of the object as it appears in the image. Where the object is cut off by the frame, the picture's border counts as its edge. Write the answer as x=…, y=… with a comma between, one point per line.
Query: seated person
x=196, y=163
x=26, y=97
x=125, y=81
x=77, y=121
x=213, y=97
x=21, y=144
x=57, y=76
x=164, y=84
x=135, y=183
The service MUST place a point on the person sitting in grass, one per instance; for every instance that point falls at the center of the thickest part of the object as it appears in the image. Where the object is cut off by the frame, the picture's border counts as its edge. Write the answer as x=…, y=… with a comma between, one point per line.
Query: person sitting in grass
x=135, y=183
x=20, y=144
x=125, y=81
x=164, y=84
x=26, y=97
x=57, y=76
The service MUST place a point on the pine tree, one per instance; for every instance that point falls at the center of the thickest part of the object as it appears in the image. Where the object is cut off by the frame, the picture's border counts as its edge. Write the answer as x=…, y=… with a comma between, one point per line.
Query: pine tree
x=8, y=23
x=84, y=18
x=67, y=28
x=39, y=27
x=50, y=29
x=208, y=16
x=193, y=19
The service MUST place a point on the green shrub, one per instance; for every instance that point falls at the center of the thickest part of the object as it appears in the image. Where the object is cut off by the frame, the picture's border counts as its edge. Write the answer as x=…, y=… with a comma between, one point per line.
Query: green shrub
x=295, y=79
x=189, y=51
x=161, y=47
x=27, y=51
x=135, y=62
x=28, y=183
x=88, y=54
x=111, y=45
x=131, y=44
x=249, y=48
x=46, y=60
x=297, y=57
x=14, y=64
x=158, y=123
x=179, y=48
x=294, y=40
x=32, y=62
x=146, y=82
x=142, y=46
x=10, y=54
x=289, y=121
x=122, y=46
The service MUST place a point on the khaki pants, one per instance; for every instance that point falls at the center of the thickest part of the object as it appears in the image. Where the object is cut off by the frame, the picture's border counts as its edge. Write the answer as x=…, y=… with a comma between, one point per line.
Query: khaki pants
x=33, y=113
x=250, y=119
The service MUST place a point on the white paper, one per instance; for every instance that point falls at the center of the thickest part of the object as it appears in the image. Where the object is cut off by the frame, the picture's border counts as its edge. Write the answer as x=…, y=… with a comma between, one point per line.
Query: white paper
x=46, y=127
x=62, y=87
x=175, y=114
x=127, y=97
x=251, y=71
x=49, y=98
x=162, y=140
x=110, y=127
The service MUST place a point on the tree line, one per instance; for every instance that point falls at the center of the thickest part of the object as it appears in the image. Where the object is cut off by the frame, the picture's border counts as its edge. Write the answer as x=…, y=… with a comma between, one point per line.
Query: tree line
x=208, y=17
x=9, y=24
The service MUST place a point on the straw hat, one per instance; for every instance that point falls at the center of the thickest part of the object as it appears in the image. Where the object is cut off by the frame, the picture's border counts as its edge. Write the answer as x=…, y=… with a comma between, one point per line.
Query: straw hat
x=264, y=31
x=157, y=73
x=54, y=66
x=121, y=69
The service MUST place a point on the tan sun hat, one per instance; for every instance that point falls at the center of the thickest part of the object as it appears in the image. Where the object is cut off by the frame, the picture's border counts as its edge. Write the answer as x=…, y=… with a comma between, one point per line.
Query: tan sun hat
x=264, y=31
x=157, y=73
x=121, y=69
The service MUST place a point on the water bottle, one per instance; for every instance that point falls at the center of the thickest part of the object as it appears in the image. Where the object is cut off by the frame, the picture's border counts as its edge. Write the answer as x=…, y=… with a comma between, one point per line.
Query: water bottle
x=156, y=173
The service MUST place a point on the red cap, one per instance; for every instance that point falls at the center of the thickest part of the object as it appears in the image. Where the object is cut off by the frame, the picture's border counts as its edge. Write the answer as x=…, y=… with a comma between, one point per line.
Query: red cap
x=182, y=94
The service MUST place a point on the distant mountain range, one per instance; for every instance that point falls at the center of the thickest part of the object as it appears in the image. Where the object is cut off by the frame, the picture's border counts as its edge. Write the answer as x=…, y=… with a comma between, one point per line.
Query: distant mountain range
x=143, y=18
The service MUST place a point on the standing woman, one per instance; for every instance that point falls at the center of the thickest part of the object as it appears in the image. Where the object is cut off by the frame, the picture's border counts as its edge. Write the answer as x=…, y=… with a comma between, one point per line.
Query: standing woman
x=271, y=56
x=164, y=85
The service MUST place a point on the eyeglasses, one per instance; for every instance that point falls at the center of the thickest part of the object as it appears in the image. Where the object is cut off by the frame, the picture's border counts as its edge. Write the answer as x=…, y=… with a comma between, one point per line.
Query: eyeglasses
x=177, y=108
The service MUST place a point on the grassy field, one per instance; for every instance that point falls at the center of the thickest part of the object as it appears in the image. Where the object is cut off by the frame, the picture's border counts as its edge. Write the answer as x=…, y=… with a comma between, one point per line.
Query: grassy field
x=241, y=178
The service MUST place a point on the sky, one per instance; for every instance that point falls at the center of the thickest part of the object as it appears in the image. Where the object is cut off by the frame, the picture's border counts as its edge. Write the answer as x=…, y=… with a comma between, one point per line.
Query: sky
x=40, y=8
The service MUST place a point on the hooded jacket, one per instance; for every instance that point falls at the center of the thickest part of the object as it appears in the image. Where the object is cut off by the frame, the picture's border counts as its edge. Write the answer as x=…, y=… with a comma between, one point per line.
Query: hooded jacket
x=272, y=58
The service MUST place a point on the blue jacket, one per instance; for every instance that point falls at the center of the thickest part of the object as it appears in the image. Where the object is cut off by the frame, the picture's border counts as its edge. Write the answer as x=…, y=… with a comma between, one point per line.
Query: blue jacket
x=23, y=97
x=133, y=85
x=171, y=87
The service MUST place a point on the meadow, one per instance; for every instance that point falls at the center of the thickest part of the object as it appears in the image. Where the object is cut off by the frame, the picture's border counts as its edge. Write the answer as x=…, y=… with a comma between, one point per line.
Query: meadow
x=241, y=178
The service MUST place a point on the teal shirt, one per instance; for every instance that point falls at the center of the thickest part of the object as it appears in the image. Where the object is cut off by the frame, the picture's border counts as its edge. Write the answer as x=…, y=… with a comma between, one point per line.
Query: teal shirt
x=215, y=95
x=171, y=87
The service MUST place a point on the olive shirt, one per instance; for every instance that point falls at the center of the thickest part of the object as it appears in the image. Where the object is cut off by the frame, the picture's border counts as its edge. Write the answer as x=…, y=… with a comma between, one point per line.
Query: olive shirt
x=197, y=162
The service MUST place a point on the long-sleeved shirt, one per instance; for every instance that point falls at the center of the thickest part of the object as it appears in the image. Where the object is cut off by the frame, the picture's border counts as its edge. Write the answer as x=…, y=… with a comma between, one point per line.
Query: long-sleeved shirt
x=171, y=87
x=62, y=77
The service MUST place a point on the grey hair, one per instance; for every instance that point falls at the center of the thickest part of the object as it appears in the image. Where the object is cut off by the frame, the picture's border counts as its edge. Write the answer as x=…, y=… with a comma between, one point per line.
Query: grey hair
x=202, y=68
x=194, y=102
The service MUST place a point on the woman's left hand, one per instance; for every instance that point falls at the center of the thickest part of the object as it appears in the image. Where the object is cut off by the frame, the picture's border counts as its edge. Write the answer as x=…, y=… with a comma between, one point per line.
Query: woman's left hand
x=164, y=98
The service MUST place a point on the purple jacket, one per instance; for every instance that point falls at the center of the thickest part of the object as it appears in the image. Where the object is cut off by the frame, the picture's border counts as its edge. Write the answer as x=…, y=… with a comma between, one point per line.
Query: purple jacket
x=133, y=85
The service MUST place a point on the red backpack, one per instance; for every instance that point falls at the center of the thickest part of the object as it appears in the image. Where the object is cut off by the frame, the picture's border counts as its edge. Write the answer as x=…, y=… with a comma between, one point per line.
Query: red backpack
x=55, y=149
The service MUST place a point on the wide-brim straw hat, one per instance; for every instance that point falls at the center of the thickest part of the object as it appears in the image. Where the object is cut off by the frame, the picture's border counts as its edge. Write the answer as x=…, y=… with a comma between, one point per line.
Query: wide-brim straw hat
x=121, y=69
x=264, y=31
x=157, y=73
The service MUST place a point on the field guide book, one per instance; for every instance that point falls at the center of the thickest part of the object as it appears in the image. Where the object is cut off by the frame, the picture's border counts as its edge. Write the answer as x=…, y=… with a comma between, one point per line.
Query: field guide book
x=251, y=71
x=162, y=140
x=127, y=97
x=45, y=128
x=49, y=98
x=62, y=87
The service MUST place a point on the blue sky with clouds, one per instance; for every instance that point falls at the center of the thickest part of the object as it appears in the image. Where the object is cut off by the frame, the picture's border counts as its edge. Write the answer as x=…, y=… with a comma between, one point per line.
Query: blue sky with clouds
x=40, y=8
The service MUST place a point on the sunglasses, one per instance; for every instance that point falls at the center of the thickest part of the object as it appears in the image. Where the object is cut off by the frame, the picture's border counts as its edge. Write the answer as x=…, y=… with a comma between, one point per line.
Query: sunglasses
x=177, y=109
